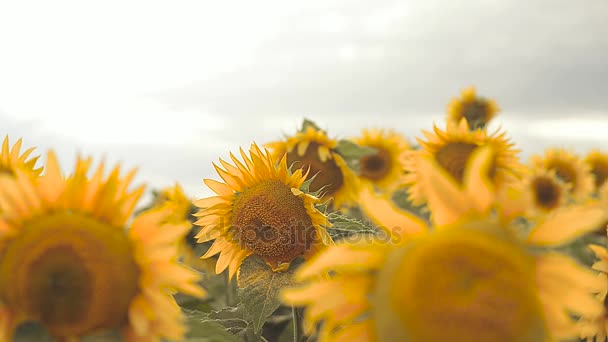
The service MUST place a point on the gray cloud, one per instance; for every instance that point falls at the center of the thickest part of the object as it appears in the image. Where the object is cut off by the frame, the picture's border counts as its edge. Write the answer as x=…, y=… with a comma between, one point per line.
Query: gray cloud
x=544, y=56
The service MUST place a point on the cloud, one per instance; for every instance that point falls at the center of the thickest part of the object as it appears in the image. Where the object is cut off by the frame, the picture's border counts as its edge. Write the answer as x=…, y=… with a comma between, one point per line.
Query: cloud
x=549, y=56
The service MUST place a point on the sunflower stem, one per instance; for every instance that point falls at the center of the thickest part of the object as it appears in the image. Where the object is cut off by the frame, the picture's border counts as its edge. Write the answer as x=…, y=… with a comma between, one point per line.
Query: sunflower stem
x=230, y=289
x=296, y=325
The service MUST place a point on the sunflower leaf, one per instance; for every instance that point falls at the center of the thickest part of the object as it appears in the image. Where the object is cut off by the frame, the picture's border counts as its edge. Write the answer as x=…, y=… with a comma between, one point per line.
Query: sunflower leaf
x=401, y=198
x=32, y=331
x=344, y=226
x=352, y=152
x=309, y=123
x=228, y=324
x=259, y=289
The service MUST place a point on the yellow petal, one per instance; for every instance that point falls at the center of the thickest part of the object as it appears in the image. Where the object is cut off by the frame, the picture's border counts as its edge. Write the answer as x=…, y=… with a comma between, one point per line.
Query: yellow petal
x=566, y=224
x=388, y=216
x=360, y=332
x=340, y=257
x=446, y=201
x=302, y=147
x=478, y=185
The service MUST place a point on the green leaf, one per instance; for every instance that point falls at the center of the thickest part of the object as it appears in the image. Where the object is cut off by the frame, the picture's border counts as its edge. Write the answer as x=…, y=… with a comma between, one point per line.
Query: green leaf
x=352, y=152
x=309, y=123
x=344, y=226
x=227, y=324
x=579, y=248
x=401, y=198
x=259, y=289
x=32, y=331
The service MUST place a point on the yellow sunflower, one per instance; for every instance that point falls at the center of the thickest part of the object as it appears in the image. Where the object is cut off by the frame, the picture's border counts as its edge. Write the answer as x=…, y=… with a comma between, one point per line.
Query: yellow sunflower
x=311, y=149
x=540, y=192
x=569, y=168
x=452, y=149
x=598, y=164
x=470, y=279
x=382, y=169
x=477, y=111
x=260, y=210
x=595, y=328
x=11, y=159
x=72, y=262
x=180, y=208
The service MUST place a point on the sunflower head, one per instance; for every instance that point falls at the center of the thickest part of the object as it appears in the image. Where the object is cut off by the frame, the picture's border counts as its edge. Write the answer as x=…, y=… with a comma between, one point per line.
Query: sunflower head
x=452, y=149
x=569, y=168
x=12, y=159
x=384, y=168
x=262, y=210
x=473, y=279
x=447, y=285
x=72, y=262
x=174, y=198
x=476, y=111
x=598, y=165
x=180, y=208
x=312, y=150
x=543, y=192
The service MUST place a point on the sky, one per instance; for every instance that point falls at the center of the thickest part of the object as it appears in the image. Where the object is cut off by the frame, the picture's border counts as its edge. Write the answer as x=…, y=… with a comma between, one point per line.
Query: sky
x=171, y=86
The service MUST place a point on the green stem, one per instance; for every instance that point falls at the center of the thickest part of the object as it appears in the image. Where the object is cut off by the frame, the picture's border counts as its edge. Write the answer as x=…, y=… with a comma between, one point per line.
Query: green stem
x=229, y=290
x=296, y=325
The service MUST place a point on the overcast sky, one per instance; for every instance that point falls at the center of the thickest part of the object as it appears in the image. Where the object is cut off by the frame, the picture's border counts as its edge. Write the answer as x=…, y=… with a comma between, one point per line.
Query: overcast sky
x=171, y=86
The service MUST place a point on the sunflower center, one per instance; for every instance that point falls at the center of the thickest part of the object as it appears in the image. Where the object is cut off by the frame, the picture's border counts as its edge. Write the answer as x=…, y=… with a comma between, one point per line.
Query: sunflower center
x=564, y=171
x=454, y=156
x=476, y=113
x=272, y=222
x=375, y=166
x=599, y=169
x=546, y=192
x=6, y=170
x=70, y=272
x=328, y=174
x=460, y=285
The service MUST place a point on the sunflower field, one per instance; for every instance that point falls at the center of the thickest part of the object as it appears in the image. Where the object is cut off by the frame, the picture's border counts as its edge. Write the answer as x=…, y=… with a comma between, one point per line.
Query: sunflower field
x=451, y=237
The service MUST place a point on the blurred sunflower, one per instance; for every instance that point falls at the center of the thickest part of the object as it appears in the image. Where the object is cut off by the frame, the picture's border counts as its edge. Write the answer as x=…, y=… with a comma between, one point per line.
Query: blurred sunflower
x=595, y=327
x=569, y=168
x=452, y=148
x=181, y=212
x=71, y=262
x=383, y=169
x=12, y=159
x=598, y=164
x=262, y=210
x=311, y=149
x=471, y=279
x=542, y=192
x=477, y=111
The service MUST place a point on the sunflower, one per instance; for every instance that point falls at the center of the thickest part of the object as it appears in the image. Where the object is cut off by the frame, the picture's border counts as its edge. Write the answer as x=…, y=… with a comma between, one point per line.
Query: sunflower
x=598, y=164
x=470, y=279
x=452, y=149
x=311, y=149
x=11, y=159
x=382, y=169
x=477, y=111
x=262, y=210
x=71, y=262
x=180, y=208
x=596, y=327
x=541, y=192
x=569, y=168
